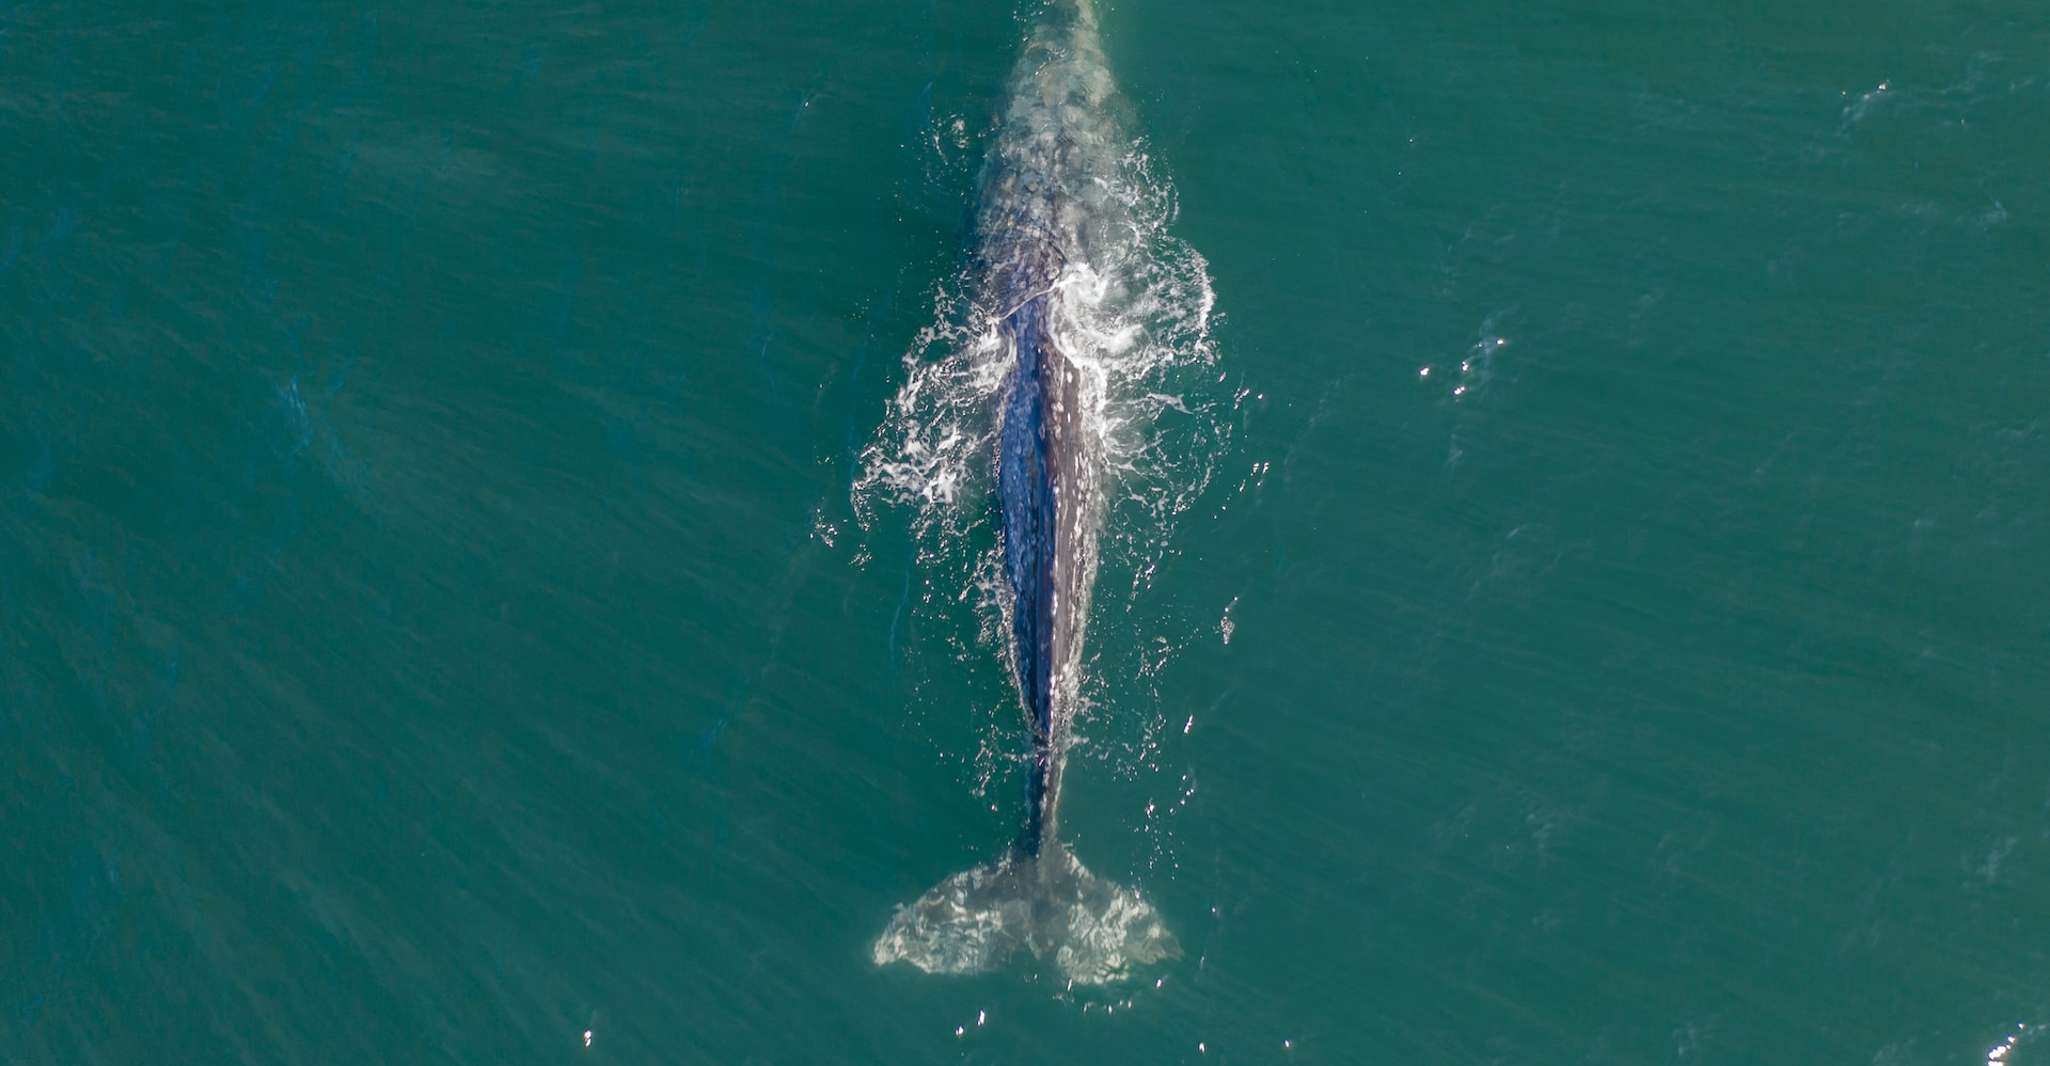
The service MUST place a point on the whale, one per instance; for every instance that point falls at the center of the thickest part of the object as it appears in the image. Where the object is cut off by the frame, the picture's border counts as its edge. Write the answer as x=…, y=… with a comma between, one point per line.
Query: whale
x=1040, y=197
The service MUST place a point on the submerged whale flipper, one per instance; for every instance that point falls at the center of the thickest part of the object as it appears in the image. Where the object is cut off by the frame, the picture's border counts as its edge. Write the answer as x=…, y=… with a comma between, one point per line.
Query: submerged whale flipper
x=1047, y=904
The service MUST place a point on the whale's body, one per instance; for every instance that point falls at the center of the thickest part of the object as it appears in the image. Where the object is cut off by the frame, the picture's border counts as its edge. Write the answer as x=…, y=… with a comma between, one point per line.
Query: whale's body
x=1040, y=190
x=1046, y=482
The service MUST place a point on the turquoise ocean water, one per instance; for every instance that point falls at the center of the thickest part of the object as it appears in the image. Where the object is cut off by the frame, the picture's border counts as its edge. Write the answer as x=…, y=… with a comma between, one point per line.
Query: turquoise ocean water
x=1584, y=603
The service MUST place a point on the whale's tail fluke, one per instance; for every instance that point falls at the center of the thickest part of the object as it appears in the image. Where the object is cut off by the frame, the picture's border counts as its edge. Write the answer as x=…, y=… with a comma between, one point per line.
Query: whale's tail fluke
x=1047, y=904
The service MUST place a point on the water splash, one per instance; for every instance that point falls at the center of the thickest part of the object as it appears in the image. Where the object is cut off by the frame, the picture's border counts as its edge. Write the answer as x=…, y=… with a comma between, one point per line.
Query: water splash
x=1998, y=1054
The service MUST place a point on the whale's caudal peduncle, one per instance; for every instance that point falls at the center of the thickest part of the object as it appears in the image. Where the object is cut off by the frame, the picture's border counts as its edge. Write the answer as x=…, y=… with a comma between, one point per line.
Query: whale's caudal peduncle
x=1041, y=192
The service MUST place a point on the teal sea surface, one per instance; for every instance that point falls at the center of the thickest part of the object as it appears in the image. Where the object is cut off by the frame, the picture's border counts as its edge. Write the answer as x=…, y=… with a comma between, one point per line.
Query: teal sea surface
x=1586, y=599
